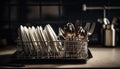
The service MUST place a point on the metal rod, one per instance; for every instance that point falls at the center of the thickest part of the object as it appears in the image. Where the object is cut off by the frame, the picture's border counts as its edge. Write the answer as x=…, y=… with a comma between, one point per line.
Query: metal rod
x=100, y=8
x=104, y=13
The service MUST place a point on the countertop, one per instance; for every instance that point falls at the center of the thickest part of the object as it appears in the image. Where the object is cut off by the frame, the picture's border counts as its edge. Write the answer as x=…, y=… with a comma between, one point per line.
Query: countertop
x=102, y=58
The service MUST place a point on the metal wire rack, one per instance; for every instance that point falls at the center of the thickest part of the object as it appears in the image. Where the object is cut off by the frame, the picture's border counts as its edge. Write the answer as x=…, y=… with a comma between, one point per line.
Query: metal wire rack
x=61, y=49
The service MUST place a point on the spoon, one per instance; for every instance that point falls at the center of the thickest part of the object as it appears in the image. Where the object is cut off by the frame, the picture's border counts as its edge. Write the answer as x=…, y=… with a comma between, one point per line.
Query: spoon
x=61, y=34
x=69, y=30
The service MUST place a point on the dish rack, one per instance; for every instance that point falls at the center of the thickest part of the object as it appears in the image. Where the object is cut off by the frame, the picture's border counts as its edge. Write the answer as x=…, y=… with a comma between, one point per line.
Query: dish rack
x=67, y=51
x=38, y=45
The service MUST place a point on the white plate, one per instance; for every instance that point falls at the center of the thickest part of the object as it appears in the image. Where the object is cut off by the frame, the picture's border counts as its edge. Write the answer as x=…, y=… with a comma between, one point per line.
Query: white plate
x=45, y=32
x=24, y=39
x=42, y=34
x=41, y=39
x=53, y=33
x=58, y=44
x=33, y=40
x=28, y=40
x=52, y=38
x=38, y=34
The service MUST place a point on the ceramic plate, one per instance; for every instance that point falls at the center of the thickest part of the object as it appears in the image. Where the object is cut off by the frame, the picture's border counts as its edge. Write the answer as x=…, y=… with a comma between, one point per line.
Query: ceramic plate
x=33, y=40
x=28, y=43
x=24, y=39
x=52, y=38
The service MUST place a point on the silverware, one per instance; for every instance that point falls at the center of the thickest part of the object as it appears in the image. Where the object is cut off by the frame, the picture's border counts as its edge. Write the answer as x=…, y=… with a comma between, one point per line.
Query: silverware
x=78, y=24
x=81, y=33
x=106, y=21
x=69, y=31
x=92, y=29
x=87, y=26
x=61, y=34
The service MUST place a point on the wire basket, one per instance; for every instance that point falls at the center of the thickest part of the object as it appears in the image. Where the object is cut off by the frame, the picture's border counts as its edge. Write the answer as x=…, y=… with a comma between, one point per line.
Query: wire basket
x=44, y=44
x=61, y=49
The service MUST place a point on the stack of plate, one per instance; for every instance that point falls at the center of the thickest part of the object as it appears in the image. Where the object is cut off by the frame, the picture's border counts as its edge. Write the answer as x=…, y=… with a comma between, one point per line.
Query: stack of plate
x=39, y=42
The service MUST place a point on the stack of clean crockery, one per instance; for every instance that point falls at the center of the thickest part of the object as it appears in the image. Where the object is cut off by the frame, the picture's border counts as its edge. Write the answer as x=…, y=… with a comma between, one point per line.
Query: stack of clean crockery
x=39, y=42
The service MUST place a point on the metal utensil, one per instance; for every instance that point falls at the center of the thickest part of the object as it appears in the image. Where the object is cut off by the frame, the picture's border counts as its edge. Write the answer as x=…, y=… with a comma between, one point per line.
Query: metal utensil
x=81, y=33
x=87, y=26
x=106, y=21
x=91, y=29
x=61, y=34
x=69, y=31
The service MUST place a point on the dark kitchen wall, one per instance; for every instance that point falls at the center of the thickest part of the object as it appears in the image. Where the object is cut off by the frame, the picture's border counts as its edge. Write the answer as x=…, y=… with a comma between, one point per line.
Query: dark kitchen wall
x=55, y=12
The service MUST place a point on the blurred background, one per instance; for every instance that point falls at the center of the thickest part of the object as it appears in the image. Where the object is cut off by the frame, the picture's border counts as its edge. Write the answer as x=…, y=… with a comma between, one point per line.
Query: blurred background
x=57, y=13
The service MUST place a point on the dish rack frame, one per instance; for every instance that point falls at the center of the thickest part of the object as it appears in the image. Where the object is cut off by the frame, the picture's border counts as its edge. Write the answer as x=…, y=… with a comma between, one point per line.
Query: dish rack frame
x=69, y=52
